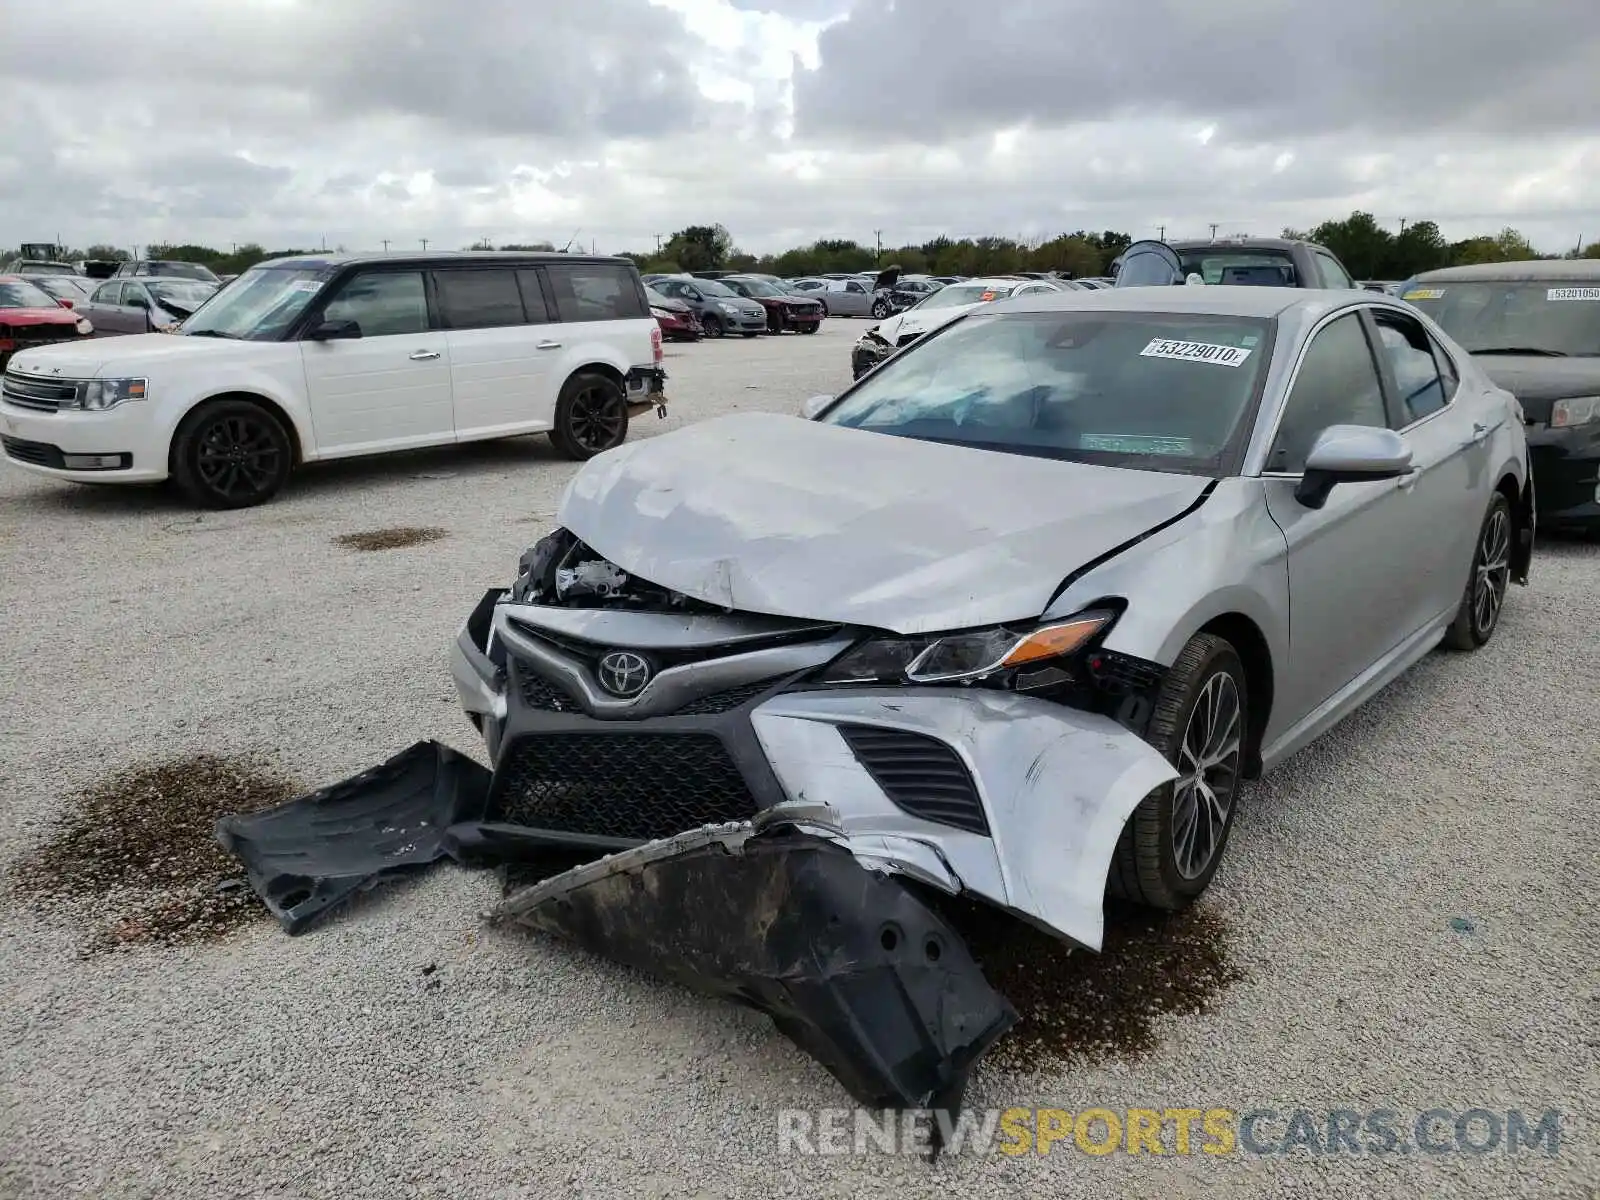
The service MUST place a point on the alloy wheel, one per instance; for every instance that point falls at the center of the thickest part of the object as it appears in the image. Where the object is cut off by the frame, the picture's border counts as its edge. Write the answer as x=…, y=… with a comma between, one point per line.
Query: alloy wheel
x=596, y=417
x=237, y=456
x=1492, y=572
x=1208, y=764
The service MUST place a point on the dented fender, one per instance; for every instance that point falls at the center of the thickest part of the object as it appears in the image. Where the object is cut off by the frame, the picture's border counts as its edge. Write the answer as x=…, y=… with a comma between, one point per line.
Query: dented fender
x=1057, y=786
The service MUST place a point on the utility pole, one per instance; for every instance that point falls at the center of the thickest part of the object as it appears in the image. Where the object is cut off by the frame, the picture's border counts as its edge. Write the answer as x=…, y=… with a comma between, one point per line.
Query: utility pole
x=658, y=243
x=1214, y=231
x=1161, y=232
x=878, y=234
x=324, y=243
x=386, y=245
x=1402, y=227
x=424, y=243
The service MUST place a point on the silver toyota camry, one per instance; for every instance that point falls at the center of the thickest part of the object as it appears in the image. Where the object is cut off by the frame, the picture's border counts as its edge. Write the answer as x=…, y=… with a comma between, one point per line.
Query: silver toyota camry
x=1017, y=616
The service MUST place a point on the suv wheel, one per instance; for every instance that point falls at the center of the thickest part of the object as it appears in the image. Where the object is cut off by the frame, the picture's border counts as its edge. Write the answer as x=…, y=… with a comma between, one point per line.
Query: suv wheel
x=591, y=416
x=230, y=454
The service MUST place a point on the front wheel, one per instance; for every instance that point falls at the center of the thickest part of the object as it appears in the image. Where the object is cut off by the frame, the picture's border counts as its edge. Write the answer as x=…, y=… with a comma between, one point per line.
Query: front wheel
x=712, y=324
x=1171, y=845
x=591, y=416
x=880, y=310
x=1485, y=594
x=230, y=454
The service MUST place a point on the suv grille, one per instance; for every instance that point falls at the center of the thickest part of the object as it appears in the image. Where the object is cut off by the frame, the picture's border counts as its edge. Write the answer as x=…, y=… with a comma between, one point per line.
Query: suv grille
x=922, y=775
x=28, y=391
x=629, y=786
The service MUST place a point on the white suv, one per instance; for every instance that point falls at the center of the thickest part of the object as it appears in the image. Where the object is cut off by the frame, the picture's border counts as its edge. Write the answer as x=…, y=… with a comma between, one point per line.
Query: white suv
x=307, y=359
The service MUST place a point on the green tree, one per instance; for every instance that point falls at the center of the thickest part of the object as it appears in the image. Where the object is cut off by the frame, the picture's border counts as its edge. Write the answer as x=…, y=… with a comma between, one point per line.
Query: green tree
x=1071, y=254
x=101, y=253
x=1506, y=246
x=1421, y=247
x=1358, y=241
x=533, y=247
x=700, y=247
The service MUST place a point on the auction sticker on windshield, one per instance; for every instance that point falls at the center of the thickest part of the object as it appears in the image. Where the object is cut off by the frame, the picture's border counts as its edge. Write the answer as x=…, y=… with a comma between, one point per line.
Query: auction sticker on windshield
x=1424, y=294
x=1207, y=352
x=1573, y=294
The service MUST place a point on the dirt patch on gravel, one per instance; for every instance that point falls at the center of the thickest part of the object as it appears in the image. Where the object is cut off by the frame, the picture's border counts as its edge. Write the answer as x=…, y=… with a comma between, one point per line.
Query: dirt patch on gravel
x=390, y=539
x=1078, y=1005
x=136, y=859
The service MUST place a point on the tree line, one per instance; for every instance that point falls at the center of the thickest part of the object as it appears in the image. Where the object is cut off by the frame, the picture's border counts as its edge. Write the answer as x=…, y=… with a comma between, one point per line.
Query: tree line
x=1367, y=248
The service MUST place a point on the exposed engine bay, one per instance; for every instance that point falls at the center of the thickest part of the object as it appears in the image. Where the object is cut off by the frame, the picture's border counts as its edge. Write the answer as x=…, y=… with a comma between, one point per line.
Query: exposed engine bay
x=559, y=570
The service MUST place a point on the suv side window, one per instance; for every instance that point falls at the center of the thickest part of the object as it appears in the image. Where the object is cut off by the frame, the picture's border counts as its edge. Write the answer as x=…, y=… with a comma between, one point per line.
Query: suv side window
x=1337, y=385
x=1409, y=352
x=1332, y=272
x=595, y=292
x=533, y=297
x=383, y=303
x=474, y=298
x=107, y=294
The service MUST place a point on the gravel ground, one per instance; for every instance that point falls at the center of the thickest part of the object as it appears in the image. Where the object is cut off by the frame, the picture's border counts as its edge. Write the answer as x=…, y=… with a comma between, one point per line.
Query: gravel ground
x=1401, y=904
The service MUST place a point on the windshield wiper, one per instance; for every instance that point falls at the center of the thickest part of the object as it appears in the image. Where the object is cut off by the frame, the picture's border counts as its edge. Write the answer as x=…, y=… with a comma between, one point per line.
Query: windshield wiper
x=217, y=333
x=1534, y=351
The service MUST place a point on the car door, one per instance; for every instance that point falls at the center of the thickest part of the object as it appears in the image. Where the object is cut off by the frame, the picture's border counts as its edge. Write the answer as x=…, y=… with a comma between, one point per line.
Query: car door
x=854, y=300
x=138, y=308
x=1351, y=562
x=100, y=307
x=500, y=362
x=1450, y=450
x=114, y=315
x=388, y=387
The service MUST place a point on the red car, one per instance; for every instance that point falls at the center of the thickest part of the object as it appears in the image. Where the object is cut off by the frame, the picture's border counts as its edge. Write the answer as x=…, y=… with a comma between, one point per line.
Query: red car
x=785, y=310
x=677, y=320
x=30, y=316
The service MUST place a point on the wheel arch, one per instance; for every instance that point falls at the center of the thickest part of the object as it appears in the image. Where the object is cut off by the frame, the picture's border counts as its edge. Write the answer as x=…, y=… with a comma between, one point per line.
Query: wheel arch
x=296, y=441
x=1520, y=497
x=1245, y=636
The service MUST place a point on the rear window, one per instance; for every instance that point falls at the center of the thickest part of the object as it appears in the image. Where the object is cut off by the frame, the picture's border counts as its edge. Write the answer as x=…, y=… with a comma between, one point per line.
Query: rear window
x=479, y=299
x=596, y=292
x=19, y=293
x=1247, y=268
x=1553, y=317
x=965, y=293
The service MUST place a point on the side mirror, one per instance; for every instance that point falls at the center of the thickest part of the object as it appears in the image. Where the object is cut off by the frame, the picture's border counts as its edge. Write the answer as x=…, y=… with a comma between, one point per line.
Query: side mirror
x=1351, y=454
x=814, y=405
x=335, y=331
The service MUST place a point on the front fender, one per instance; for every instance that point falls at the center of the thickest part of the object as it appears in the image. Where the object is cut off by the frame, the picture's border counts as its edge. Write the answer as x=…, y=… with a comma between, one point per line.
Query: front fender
x=1057, y=786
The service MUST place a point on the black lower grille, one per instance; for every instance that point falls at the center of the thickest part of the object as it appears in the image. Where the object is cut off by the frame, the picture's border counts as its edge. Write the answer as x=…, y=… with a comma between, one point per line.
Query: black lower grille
x=630, y=786
x=39, y=454
x=547, y=695
x=921, y=774
x=724, y=701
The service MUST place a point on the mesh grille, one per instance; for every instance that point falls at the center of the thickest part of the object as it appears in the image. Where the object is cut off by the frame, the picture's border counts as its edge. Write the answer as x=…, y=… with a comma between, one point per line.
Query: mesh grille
x=922, y=775
x=725, y=701
x=637, y=786
x=547, y=695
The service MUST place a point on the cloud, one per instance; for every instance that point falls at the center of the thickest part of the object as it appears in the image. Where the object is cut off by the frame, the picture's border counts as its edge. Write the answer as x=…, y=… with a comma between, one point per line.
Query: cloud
x=285, y=122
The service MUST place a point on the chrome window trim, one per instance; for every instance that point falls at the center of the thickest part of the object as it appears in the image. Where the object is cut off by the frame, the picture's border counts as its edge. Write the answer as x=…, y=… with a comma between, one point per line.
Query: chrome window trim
x=1268, y=422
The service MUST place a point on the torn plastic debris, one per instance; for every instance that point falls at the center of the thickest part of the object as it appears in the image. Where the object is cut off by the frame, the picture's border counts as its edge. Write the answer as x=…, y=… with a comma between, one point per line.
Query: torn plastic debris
x=310, y=854
x=847, y=961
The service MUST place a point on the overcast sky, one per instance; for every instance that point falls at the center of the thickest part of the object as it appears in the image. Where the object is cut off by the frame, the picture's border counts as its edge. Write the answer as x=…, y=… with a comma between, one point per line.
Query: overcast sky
x=287, y=121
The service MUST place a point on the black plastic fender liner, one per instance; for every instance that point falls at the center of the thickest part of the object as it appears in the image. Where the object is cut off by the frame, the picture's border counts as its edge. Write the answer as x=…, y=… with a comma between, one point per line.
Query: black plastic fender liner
x=849, y=963
x=308, y=855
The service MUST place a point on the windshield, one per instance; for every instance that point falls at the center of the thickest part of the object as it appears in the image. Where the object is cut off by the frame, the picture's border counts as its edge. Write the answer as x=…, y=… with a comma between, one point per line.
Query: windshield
x=183, y=270
x=260, y=305
x=1543, y=317
x=19, y=293
x=64, y=288
x=185, y=295
x=967, y=293
x=1154, y=391
x=657, y=300
x=758, y=288
x=1258, y=268
x=710, y=287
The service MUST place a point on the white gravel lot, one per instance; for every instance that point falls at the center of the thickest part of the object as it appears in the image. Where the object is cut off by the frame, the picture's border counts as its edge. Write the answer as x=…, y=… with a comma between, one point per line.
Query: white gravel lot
x=329, y=1065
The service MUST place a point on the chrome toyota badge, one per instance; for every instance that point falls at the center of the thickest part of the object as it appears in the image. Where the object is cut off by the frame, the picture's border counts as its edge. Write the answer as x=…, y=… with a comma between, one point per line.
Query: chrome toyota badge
x=624, y=674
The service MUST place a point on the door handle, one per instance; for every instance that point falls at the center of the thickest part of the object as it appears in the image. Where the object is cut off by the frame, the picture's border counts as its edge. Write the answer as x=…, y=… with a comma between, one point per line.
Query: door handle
x=1480, y=430
x=548, y=346
x=420, y=355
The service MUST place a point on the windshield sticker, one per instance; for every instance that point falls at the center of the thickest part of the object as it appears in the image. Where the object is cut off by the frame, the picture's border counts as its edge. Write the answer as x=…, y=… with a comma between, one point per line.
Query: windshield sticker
x=1573, y=294
x=1133, y=443
x=306, y=285
x=1424, y=294
x=1207, y=352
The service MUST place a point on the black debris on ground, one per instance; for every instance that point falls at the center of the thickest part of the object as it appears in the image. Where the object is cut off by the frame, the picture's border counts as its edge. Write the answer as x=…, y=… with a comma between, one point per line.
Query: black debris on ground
x=136, y=856
x=390, y=539
x=1076, y=1005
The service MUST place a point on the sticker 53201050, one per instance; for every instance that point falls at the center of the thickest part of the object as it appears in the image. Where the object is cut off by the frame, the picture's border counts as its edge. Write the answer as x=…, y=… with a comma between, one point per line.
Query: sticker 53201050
x=1206, y=352
x=1573, y=294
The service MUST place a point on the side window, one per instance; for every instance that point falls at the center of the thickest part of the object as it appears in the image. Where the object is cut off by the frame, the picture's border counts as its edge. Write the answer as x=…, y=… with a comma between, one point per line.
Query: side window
x=595, y=292
x=383, y=303
x=668, y=287
x=111, y=293
x=479, y=299
x=1337, y=385
x=533, y=302
x=853, y=286
x=133, y=293
x=1409, y=352
x=1447, y=370
x=1334, y=274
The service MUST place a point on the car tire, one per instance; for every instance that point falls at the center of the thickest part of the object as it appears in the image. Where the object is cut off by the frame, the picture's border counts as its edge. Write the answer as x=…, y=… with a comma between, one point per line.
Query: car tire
x=880, y=310
x=230, y=453
x=712, y=324
x=1202, y=705
x=591, y=416
x=1485, y=594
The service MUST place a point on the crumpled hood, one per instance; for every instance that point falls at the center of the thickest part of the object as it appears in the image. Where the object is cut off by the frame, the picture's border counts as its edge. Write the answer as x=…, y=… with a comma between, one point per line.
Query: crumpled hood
x=771, y=514
x=913, y=321
x=1538, y=382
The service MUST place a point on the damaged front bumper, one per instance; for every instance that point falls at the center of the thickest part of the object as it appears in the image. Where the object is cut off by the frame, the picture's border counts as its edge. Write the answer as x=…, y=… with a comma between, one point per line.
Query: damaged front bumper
x=1008, y=799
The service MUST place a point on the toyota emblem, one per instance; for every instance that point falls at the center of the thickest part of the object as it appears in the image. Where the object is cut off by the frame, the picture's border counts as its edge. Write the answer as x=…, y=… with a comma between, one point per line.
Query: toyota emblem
x=624, y=673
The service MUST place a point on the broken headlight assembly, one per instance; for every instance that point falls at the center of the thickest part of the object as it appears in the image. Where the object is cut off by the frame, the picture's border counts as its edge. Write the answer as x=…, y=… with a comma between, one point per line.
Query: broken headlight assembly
x=1002, y=656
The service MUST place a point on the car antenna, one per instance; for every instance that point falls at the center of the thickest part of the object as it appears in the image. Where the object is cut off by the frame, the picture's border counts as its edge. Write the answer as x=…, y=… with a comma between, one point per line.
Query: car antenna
x=572, y=239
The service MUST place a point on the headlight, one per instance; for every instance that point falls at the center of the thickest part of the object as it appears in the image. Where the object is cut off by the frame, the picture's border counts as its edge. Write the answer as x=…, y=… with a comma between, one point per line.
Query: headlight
x=100, y=394
x=1579, y=411
x=728, y=308
x=661, y=314
x=84, y=327
x=981, y=655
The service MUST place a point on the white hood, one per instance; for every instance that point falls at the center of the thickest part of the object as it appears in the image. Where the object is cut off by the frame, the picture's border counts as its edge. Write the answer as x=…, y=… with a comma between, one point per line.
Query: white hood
x=113, y=356
x=918, y=321
x=772, y=514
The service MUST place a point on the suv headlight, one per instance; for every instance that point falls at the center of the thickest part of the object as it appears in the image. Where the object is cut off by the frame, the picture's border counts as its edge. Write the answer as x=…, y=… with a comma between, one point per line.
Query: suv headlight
x=1578, y=411
x=983, y=655
x=97, y=395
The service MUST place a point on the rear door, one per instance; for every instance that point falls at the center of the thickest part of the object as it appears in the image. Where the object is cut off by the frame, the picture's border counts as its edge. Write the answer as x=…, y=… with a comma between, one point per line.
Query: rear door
x=110, y=314
x=603, y=317
x=389, y=388
x=501, y=349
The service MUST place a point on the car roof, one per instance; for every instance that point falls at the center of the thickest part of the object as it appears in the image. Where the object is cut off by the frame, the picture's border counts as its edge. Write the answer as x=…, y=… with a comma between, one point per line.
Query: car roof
x=440, y=257
x=1214, y=299
x=156, y=279
x=1587, y=269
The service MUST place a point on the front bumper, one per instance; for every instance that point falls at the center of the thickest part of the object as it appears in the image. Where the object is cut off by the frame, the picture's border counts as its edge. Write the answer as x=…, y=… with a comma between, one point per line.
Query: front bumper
x=1015, y=801
x=1566, y=472
x=867, y=353
x=43, y=442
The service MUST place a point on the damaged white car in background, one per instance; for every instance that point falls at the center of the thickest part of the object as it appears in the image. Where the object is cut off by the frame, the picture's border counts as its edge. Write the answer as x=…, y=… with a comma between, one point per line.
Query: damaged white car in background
x=1010, y=620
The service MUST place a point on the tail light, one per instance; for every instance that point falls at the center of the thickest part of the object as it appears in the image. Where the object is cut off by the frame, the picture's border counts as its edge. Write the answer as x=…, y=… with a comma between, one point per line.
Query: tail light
x=655, y=342
x=64, y=303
